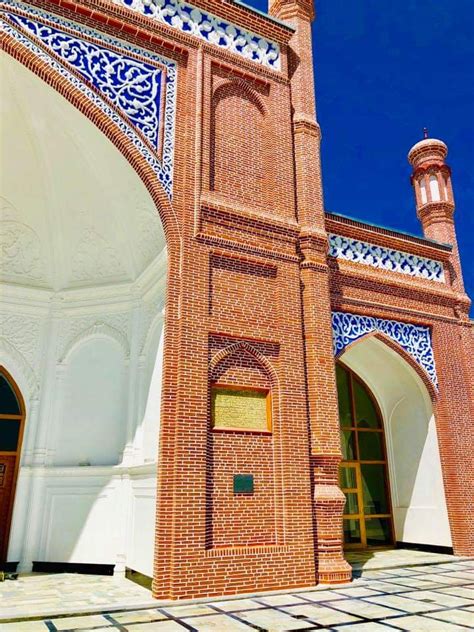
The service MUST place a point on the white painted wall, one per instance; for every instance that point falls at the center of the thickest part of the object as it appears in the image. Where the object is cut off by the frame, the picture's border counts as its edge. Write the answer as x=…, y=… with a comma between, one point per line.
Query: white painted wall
x=87, y=483
x=416, y=484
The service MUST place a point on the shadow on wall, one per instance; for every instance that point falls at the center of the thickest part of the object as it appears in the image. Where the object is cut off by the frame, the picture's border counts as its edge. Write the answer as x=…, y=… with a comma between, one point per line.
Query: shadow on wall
x=418, y=500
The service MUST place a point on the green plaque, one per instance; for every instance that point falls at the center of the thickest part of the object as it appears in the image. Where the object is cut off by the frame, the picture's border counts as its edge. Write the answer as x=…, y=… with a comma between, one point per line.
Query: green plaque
x=243, y=483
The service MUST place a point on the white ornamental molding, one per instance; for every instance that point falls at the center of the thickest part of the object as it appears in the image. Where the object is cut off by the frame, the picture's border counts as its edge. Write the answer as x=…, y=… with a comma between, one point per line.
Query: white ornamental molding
x=142, y=90
x=193, y=21
x=94, y=258
x=385, y=258
x=414, y=339
x=98, y=330
x=21, y=370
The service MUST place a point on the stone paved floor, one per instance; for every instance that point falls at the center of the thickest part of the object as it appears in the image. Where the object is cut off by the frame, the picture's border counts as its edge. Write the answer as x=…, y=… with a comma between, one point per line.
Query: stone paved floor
x=432, y=597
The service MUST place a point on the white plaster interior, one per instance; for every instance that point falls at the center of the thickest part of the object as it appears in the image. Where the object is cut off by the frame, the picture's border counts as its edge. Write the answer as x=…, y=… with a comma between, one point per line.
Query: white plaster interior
x=417, y=491
x=82, y=301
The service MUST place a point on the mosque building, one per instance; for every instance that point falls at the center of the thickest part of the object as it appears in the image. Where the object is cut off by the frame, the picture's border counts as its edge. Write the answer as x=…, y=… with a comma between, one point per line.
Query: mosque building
x=205, y=377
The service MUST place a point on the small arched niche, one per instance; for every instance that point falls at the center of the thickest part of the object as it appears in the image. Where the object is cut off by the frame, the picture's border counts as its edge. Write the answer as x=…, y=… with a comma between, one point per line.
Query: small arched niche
x=92, y=422
x=414, y=466
x=238, y=135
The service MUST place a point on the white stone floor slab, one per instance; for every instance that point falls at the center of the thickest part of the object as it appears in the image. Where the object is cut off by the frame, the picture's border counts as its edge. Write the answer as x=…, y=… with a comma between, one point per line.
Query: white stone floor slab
x=382, y=602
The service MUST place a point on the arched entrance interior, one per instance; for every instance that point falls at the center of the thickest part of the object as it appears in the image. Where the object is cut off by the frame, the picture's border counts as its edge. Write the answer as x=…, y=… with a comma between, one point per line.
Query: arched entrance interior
x=12, y=419
x=83, y=278
x=400, y=479
x=363, y=473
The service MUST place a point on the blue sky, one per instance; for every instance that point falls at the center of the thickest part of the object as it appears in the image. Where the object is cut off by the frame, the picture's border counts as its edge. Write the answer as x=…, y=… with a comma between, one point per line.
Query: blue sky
x=383, y=71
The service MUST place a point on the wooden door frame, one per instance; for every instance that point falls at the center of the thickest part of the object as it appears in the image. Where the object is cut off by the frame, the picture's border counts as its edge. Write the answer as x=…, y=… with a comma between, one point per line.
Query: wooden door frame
x=9, y=514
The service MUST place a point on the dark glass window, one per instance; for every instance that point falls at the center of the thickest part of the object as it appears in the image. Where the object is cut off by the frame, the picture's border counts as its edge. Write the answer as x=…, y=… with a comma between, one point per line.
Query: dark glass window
x=370, y=446
x=9, y=432
x=378, y=531
x=366, y=414
x=373, y=487
x=352, y=531
x=344, y=397
x=8, y=402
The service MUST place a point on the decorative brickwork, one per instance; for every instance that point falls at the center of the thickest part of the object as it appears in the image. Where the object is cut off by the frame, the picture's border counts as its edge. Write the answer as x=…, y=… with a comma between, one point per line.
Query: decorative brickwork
x=251, y=284
x=415, y=340
x=217, y=31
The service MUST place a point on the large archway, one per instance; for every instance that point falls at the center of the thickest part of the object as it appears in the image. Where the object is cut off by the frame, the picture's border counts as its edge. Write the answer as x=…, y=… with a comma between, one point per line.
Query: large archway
x=84, y=263
x=402, y=408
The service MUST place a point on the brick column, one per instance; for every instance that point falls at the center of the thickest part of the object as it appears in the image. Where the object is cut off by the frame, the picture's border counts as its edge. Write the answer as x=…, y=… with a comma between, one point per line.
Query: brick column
x=329, y=500
x=319, y=360
x=455, y=427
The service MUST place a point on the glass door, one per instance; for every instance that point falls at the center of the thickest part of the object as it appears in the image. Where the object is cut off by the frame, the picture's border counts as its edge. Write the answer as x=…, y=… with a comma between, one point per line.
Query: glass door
x=367, y=516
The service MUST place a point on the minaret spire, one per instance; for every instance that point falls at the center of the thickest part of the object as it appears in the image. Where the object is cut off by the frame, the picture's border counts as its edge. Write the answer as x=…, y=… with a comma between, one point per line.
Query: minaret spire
x=431, y=181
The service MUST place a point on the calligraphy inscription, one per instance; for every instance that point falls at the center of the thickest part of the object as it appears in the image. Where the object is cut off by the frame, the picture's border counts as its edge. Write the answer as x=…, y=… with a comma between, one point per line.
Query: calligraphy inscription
x=240, y=409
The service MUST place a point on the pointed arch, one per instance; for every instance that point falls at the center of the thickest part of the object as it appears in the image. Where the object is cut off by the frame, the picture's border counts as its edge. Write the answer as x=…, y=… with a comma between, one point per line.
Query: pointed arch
x=415, y=340
x=389, y=342
x=245, y=347
x=70, y=85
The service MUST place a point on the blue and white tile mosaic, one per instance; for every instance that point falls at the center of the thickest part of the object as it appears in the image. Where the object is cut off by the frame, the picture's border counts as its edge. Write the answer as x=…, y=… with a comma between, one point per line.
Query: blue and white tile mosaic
x=385, y=258
x=213, y=30
x=136, y=88
x=414, y=339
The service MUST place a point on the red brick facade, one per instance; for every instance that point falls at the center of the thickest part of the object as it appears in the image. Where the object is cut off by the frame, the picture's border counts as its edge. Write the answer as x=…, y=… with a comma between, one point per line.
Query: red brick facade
x=249, y=299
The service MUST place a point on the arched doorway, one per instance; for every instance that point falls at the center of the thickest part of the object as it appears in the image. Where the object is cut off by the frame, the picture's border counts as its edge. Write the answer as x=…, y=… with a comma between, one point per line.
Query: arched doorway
x=12, y=419
x=367, y=519
x=84, y=268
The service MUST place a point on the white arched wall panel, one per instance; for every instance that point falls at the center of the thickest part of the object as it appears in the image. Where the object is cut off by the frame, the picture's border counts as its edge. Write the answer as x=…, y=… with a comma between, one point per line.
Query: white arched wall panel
x=91, y=426
x=418, y=500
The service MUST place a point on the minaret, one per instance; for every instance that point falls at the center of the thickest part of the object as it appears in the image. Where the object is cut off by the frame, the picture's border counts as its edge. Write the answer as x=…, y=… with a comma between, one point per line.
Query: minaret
x=431, y=181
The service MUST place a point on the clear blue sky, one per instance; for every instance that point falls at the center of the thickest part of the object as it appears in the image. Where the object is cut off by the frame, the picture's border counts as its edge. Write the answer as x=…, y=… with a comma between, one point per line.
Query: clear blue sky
x=384, y=70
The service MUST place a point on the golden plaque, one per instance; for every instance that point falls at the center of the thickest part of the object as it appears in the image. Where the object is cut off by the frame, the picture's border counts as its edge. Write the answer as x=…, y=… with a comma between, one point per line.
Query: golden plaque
x=238, y=408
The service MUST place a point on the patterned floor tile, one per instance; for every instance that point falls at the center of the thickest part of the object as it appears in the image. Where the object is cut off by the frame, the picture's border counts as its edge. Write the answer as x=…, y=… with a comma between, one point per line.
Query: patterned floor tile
x=81, y=623
x=321, y=614
x=321, y=595
x=404, y=604
x=370, y=626
x=458, y=591
x=137, y=616
x=461, y=617
x=280, y=600
x=275, y=620
x=357, y=592
x=365, y=609
x=442, y=578
x=422, y=624
x=24, y=626
x=235, y=605
x=179, y=612
x=159, y=626
x=217, y=623
x=438, y=598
